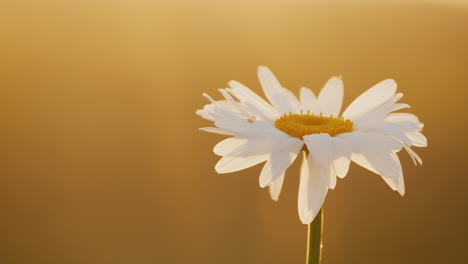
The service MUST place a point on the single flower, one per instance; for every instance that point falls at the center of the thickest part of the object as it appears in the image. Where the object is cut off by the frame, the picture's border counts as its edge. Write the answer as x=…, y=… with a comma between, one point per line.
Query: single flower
x=367, y=133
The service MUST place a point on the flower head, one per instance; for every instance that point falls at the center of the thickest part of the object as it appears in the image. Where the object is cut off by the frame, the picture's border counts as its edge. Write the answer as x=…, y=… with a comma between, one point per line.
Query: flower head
x=368, y=133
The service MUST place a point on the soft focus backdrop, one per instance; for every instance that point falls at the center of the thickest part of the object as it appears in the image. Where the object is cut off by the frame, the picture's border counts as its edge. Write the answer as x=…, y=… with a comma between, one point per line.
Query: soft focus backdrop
x=101, y=160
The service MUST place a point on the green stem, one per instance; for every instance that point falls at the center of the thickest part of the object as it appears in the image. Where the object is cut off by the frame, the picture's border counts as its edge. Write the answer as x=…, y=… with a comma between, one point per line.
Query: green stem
x=314, y=239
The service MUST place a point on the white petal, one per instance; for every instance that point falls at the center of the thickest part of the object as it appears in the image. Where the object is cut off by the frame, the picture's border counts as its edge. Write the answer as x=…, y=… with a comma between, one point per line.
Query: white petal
x=331, y=183
x=392, y=129
x=373, y=151
x=411, y=156
x=312, y=190
x=228, y=145
x=220, y=109
x=331, y=97
x=397, y=184
x=265, y=143
x=382, y=164
x=402, y=117
x=205, y=114
x=238, y=107
x=275, y=188
x=404, y=126
x=308, y=100
x=395, y=124
x=280, y=159
x=401, y=182
x=254, y=102
x=292, y=100
x=245, y=127
x=379, y=113
x=327, y=151
x=417, y=139
x=415, y=157
x=342, y=155
x=362, y=141
x=216, y=131
x=392, y=182
x=320, y=147
x=362, y=161
x=230, y=164
x=341, y=166
x=376, y=116
x=370, y=99
x=276, y=94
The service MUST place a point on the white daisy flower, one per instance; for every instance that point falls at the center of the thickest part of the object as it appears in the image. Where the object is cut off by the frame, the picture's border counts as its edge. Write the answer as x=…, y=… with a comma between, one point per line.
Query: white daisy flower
x=367, y=133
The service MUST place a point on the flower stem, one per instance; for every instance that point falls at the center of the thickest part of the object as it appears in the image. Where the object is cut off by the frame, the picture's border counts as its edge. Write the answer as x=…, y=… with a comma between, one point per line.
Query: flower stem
x=314, y=239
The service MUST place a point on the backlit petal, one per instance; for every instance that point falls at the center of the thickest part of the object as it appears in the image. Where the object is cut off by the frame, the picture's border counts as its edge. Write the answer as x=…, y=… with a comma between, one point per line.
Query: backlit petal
x=320, y=147
x=216, y=131
x=281, y=98
x=312, y=190
x=227, y=146
x=280, y=159
x=245, y=127
x=331, y=97
x=275, y=188
x=370, y=99
x=253, y=101
x=308, y=100
x=230, y=164
x=342, y=156
x=373, y=151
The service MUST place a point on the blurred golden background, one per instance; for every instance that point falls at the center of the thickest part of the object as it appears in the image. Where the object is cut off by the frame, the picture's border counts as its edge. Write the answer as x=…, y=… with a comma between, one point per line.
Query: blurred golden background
x=101, y=159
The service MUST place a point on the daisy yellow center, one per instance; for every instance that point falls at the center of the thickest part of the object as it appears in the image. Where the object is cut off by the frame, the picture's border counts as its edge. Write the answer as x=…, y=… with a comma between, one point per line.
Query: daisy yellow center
x=299, y=125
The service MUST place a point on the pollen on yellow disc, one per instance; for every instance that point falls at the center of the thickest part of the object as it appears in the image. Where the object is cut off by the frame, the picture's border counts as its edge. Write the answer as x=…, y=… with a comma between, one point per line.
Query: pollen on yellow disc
x=299, y=125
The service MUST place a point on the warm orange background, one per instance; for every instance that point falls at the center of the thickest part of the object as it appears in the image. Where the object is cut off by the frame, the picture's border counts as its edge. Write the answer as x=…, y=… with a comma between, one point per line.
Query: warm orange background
x=101, y=160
